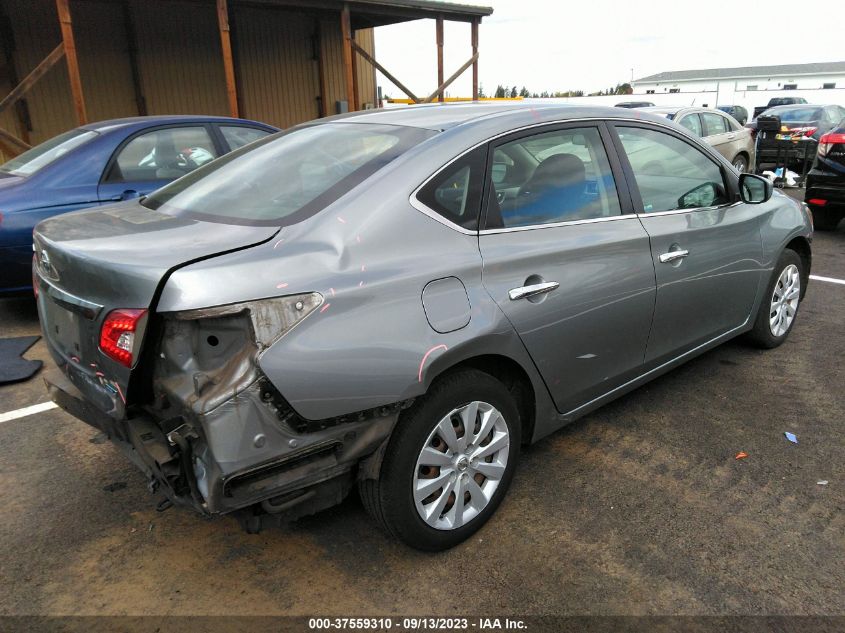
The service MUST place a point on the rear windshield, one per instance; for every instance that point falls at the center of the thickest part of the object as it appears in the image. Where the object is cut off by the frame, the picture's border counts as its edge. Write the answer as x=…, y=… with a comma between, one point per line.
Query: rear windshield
x=42, y=155
x=286, y=177
x=795, y=114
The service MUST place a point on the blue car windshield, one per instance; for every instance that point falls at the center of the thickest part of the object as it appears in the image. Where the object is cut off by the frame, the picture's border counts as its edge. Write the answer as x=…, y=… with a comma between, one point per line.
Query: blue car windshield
x=286, y=177
x=40, y=156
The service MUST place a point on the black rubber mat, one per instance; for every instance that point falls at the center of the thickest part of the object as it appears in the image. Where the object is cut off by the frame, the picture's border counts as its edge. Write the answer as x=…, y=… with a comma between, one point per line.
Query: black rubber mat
x=13, y=368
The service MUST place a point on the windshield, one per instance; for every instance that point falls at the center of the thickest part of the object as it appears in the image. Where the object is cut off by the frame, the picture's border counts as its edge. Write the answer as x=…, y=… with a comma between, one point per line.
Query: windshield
x=286, y=178
x=42, y=155
x=795, y=114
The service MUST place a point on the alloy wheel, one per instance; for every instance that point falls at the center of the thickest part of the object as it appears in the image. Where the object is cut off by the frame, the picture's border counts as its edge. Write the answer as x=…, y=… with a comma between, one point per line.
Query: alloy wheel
x=784, y=303
x=461, y=465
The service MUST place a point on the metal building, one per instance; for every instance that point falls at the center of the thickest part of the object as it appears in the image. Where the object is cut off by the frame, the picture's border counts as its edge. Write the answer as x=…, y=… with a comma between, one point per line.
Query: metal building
x=67, y=62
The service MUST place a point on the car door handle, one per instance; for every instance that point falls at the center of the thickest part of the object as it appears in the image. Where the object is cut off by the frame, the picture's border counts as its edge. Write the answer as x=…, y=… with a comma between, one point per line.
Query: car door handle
x=731, y=136
x=531, y=291
x=671, y=256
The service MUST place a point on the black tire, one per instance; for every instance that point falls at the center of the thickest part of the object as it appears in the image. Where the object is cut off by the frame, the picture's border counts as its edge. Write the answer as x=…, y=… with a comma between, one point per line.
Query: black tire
x=826, y=219
x=389, y=500
x=740, y=163
x=761, y=335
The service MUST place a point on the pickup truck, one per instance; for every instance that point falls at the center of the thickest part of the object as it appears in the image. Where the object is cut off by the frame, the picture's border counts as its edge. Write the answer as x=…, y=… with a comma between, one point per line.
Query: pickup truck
x=778, y=101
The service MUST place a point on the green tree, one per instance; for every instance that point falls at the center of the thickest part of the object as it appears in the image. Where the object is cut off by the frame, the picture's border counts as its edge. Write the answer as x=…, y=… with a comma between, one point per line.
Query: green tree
x=513, y=92
x=500, y=91
x=524, y=92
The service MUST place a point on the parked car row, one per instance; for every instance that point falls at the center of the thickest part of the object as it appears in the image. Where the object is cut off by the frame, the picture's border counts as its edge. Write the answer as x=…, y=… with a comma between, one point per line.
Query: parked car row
x=99, y=164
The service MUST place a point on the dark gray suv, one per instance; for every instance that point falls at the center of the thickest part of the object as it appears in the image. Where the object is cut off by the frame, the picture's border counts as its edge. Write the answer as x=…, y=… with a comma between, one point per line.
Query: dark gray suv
x=403, y=299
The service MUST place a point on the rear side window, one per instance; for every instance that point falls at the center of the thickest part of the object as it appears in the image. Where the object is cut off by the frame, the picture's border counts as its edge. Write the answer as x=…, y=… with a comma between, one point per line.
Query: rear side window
x=559, y=176
x=163, y=154
x=670, y=173
x=714, y=123
x=239, y=135
x=42, y=155
x=455, y=192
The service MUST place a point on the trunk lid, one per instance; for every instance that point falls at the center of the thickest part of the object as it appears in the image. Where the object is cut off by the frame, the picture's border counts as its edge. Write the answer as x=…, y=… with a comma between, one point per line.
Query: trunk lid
x=93, y=262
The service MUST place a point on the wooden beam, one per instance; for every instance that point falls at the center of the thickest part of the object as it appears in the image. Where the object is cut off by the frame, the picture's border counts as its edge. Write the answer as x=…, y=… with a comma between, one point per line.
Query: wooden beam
x=321, y=67
x=12, y=142
x=439, y=30
x=228, y=63
x=449, y=81
x=474, y=42
x=39, y=71
x=72, y=62
x=132, y=42
x=386, y=73
x=356, y=92
x=348, y=43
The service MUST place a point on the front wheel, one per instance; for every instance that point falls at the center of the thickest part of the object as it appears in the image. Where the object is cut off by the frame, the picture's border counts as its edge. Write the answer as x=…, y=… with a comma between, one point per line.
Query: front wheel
x=448, y=463
x=740, y=163
x=779, y=307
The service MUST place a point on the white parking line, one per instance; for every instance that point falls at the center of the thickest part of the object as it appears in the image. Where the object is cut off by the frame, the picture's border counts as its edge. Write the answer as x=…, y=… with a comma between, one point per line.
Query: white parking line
x=830, y=280
x=22, y=413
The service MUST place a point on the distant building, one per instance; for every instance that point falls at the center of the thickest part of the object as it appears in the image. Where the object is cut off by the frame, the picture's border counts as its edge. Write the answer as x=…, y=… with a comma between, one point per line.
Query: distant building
x=727, y=81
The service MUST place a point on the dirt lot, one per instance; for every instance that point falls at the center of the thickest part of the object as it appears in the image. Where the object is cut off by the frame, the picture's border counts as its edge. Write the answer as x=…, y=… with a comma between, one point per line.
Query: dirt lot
x=639, y=508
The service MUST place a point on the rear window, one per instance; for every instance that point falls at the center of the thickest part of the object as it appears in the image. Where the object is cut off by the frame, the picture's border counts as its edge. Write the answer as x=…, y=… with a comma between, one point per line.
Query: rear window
x=795, y=114
x=285, y=178
x=42, y=155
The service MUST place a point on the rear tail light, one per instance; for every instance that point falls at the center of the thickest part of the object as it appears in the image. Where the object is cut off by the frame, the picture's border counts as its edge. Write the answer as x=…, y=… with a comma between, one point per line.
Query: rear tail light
x=118, y=338
x=827, y=141
x=817, y=201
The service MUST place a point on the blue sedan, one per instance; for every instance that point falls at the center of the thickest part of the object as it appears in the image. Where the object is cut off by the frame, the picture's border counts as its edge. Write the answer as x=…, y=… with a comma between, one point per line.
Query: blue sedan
x=102, y=163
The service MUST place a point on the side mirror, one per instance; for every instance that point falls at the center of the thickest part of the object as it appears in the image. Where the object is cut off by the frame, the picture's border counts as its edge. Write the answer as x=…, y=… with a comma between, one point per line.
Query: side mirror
x=754, y=189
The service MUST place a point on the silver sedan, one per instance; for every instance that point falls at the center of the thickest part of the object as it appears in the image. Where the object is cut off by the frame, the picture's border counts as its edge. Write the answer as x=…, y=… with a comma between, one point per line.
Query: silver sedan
x=716, y=128
x=403, y=299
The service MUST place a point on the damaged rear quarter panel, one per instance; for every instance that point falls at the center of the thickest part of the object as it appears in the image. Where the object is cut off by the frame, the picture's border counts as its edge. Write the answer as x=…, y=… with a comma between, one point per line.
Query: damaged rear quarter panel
x=370, y=343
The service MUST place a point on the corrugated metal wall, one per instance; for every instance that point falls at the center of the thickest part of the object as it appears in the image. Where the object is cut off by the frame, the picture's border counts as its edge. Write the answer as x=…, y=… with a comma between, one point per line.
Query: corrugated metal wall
x=277, y=72
x=179, y=57
x=179, y=62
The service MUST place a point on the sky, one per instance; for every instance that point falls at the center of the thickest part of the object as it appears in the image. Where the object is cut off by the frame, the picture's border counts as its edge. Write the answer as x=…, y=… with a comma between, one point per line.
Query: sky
x=591, y=45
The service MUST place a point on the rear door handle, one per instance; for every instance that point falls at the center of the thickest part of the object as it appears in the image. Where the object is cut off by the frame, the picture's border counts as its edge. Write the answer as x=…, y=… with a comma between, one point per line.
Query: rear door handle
x=671, y=256
x=531, y=291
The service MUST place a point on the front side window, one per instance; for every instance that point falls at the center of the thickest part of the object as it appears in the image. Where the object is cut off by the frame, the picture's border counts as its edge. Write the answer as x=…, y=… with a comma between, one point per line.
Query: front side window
x=282, y=179
x=714, y=123
x=670, y=173
x=692, y=123
x=164, y=154
x=455, y=193
x=239, y=135
x=558, y=176
x=42, y=155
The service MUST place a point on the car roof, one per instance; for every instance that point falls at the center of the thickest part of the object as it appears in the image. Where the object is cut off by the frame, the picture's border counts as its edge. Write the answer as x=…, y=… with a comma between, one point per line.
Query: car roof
x=442, y=117
x=143, y=121
x=794, y=106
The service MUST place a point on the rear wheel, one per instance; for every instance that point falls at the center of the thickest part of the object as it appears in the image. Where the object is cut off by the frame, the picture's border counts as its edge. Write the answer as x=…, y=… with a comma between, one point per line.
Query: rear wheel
x=448, y=463
x=740, y=163
x=826, y=219
x=779, y=308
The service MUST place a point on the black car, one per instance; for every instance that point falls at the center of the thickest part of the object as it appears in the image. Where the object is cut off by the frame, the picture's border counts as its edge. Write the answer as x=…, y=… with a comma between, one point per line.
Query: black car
x=802, y=126
x=825, y=193
x=736, y=111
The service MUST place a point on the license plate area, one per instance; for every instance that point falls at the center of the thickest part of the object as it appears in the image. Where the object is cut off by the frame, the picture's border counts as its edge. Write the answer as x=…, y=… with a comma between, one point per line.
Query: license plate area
x=64, y=328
